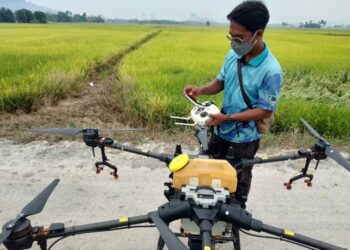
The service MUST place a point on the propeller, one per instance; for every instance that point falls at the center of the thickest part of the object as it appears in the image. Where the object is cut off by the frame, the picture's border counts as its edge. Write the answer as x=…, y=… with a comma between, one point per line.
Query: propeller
x=33, y=207
x=330, y=150
x=75, y=131
x=313, y=131
x=167, y=235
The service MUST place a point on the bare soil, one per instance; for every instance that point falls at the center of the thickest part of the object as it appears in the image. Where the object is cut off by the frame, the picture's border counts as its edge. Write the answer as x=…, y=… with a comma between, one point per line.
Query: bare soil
x=81, y=197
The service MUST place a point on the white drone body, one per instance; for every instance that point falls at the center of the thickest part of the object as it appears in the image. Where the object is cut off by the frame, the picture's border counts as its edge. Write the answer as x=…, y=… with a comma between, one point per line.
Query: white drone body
x=199, y=114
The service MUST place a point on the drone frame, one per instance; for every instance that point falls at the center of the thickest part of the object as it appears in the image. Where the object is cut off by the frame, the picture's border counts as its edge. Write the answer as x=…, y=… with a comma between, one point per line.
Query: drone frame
x=19, y=234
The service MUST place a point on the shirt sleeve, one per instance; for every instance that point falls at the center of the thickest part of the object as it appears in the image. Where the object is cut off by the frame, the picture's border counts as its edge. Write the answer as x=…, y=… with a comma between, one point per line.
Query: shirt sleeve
x=222, y=73
x=269, y=92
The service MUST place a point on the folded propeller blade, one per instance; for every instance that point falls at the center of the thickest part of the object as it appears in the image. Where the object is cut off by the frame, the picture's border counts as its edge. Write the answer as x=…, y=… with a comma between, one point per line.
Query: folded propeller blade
x=330, y=151
x=7, y=231
x=122, y=129
x=313, y=131
x=38, y=203
x=33, y=207
x=75, y=131
x=58, y=131
x=167, y=235
x=335, y=155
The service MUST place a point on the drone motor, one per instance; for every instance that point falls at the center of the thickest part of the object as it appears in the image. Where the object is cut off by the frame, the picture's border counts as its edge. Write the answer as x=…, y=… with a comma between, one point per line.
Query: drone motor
x=90, y=137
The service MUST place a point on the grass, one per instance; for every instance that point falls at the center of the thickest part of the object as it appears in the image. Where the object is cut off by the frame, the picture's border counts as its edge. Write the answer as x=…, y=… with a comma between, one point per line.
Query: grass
x=48, y=61
x=316, y=68
x=43, y=63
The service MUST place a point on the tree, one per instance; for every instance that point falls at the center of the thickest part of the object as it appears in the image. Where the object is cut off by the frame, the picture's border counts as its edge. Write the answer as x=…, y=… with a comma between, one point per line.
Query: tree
x=207, y=23
x=310, y=25
x=77, y=18
x=95, y=19
x=24, y=16
x=40, y=17
x=84, y=18
x=7, y=16
x=323, y=22
x=65, y=17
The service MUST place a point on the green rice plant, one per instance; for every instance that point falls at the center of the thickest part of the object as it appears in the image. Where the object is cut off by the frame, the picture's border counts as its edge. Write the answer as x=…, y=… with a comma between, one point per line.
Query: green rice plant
x=49, y=61
x=316, y=67
x=329, y=120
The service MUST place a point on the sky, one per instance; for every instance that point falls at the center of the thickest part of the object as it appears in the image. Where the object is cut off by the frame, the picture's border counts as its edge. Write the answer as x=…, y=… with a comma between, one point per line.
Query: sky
x=290, y=11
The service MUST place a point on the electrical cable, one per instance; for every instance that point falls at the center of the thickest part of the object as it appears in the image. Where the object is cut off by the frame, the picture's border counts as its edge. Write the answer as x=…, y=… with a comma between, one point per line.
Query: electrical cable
x=96, y=231
x=277, y=238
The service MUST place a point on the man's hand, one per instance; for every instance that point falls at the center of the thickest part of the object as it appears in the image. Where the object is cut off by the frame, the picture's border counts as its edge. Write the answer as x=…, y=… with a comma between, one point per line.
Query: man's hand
x=217, y=119
x=192, y=91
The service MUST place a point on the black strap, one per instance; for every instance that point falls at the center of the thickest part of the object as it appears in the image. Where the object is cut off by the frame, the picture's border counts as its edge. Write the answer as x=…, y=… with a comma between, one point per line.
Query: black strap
x=240, y=78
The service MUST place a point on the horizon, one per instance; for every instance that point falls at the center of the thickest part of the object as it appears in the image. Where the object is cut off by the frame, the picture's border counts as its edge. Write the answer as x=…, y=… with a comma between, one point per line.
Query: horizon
x=289, y=11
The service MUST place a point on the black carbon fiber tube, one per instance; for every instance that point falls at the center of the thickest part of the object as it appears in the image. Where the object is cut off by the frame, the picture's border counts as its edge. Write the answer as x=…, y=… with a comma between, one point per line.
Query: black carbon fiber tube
x=299, y=238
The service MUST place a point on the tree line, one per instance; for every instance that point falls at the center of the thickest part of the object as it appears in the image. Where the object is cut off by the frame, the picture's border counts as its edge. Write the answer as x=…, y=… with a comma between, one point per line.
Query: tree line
x=27, y=16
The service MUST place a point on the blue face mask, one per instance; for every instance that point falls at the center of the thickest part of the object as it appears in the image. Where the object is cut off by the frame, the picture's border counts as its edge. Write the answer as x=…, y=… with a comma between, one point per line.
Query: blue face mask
x=242, y=49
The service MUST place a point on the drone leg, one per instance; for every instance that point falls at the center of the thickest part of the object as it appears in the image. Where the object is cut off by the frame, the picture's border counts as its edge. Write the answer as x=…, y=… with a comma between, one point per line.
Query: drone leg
x=288, y=185
x=309, y=177
x=114, y=168
x=98, y=167
x=236, y=238
x=42, y=244
x=160, y=244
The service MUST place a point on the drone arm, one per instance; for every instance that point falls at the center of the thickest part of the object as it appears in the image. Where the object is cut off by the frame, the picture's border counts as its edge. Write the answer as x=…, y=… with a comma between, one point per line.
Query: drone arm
x=168, y=212
x=248, y=162
x=160, y=156
x=50, y=232
x=235, y=215
x=282, y=233
x=206, y=230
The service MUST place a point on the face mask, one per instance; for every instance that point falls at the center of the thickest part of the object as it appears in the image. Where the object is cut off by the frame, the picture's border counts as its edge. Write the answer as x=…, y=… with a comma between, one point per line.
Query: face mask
x=242, y=49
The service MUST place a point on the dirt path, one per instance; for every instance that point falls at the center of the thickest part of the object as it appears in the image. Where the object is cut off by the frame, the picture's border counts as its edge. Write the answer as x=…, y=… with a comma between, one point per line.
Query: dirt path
x=322, y=211
x=92, y=107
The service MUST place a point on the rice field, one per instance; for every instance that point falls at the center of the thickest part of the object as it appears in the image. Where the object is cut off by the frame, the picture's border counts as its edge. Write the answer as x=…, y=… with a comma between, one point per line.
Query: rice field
x=47, y=61
x=316, y=67
x=37, y=62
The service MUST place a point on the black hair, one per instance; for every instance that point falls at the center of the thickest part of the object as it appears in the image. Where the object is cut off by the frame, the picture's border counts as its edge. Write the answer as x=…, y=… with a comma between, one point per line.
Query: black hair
x=253, y=15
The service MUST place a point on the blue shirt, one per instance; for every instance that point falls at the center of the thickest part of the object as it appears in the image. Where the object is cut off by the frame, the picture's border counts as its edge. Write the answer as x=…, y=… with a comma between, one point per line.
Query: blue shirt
x=262, y=79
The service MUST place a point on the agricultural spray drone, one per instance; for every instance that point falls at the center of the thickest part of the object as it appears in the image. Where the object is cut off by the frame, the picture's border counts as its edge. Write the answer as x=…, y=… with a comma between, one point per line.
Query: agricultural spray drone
x=198, y=195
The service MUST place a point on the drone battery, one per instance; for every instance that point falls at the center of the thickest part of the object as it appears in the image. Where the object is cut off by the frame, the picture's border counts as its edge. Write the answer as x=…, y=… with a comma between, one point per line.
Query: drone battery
x=207, y=172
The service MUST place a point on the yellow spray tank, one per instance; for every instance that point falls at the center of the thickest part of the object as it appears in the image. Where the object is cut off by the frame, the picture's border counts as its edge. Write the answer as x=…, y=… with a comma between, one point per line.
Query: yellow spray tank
x=203, y=172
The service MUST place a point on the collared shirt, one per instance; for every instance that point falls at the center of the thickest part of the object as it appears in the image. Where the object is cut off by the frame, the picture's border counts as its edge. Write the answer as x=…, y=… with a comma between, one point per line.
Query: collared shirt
x=262, y=79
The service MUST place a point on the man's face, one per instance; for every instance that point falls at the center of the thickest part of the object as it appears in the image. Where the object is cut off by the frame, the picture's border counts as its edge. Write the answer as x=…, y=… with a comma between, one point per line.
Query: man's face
x=240, y=34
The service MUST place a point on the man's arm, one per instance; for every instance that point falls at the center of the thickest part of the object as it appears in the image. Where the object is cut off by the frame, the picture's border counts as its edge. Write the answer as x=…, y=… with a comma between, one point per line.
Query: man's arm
x=212, y=88
x=249, y=115
x=252, y=115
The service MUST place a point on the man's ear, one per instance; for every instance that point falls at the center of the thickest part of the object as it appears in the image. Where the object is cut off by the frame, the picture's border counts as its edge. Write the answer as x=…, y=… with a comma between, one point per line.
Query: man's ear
x=260, y=33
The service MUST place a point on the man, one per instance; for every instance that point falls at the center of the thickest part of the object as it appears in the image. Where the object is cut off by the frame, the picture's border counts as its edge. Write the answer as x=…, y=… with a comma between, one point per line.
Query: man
x=262, y=77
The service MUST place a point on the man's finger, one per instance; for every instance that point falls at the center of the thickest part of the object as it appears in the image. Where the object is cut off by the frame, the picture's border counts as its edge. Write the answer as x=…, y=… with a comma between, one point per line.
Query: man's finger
x=211, y=124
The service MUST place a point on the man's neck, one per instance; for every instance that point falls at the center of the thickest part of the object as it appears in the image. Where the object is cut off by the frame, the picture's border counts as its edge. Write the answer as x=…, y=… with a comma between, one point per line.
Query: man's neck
x=258, y=48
